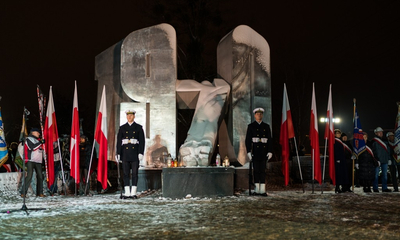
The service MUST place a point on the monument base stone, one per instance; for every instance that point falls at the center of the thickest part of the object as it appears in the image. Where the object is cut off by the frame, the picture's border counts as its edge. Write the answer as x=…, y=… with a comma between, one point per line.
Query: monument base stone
x=197, y=181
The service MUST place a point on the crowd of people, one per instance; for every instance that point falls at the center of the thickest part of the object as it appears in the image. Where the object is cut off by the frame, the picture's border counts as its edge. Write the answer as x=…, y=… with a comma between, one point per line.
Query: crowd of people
x=370, y=166
x=30, y=154
x=366, y=169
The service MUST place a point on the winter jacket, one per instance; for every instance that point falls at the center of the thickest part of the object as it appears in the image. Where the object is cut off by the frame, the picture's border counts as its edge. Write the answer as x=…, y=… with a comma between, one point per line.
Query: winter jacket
x=381, y=150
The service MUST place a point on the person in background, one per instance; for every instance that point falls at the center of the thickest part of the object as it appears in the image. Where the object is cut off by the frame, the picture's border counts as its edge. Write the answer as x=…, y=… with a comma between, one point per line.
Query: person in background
x=33, y=159
x=365, y=164
x=348, y=152
x=381, y=153
x=394, y=165
x=341, y=172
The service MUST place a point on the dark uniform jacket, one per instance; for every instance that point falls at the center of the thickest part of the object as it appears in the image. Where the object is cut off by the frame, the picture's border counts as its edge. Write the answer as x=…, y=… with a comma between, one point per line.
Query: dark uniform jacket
x=259, y=149
x=129, y=152
x=341, y=166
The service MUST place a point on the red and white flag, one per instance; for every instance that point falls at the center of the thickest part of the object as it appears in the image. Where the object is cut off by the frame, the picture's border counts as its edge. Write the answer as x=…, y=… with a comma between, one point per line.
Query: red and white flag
x=75, y=139
x=330, y=137
x=287, y=132
x=101, y=141
x=50, y=135
x=314, y=139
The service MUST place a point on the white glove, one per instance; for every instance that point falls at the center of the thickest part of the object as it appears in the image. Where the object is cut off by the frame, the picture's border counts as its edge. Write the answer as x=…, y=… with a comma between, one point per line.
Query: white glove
x=379, y=164
x=390, y=162
x=357, y=166
x=117, y=158
x=140, y=157
x=269, y=155
x=249, y=155
x=338, y=161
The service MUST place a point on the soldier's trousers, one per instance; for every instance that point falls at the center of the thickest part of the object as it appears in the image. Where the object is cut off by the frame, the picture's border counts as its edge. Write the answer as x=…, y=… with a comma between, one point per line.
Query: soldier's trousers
x=259, y=170
x=126, y=167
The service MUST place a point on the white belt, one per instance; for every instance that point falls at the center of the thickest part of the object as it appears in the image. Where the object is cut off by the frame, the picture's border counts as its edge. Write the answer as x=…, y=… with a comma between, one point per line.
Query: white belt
x=132, y=141
x=257, y=140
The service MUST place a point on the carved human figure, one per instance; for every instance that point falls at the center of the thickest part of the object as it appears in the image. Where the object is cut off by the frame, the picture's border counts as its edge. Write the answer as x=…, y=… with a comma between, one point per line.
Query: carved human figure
x=203, y=129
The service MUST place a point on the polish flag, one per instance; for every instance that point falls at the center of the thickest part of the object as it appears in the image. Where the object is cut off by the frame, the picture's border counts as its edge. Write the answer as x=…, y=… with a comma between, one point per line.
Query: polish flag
x=314, y=139
x=287, y=132
x=101, y=141
x=330, y=137
x=50, y=136
x=75, y=139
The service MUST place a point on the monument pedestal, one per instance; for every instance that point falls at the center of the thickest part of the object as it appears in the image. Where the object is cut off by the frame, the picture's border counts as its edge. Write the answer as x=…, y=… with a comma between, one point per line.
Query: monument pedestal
x=197, y=181
x=149, y=178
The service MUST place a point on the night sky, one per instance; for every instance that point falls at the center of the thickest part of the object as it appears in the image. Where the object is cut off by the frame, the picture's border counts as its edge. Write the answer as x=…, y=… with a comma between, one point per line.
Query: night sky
x=353, y=46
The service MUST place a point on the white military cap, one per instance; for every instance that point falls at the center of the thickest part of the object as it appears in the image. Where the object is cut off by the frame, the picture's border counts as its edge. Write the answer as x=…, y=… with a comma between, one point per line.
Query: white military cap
x=130, y=111
x=389, y=134
x=261, y=110
x=378, y=129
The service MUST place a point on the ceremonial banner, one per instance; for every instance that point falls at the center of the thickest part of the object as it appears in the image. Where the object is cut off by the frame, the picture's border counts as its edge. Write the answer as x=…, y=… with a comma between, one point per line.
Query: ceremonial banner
x=3, y=144
x=287, y=132
x=22, y=136
x=50, y=136
x=75, y=139
x=330, y=137
x=397, y=134
x=359, y=145
x=101, y=141
x=314, y=139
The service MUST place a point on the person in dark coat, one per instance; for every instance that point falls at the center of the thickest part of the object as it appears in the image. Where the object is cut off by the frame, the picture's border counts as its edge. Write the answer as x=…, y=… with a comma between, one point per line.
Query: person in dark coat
x=130, y=148
x=341, y=172
x=348, y=152
x=85, y=151
x=366, y=164
x=259, y=149
x=393, y=166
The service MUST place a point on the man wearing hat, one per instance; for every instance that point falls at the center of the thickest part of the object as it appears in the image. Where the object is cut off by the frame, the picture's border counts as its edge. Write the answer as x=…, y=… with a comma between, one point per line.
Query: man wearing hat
x=259, y=149
x=394, y=165
x=33, y=158
x=341, y=172
x=382, y=154
x=130, y=148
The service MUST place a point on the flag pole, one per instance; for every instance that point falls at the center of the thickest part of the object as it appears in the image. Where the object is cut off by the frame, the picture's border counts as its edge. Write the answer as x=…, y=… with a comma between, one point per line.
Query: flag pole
x=313, y=174
x=323, y=172
x=298, y=161
x=41, y=111
x=90, y=167
x=352, y=158
x=62, y=167
x=76, y=173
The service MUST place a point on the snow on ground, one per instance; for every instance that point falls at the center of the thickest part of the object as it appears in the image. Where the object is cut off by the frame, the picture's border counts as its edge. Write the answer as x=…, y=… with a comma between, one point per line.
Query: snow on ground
x=283, y=214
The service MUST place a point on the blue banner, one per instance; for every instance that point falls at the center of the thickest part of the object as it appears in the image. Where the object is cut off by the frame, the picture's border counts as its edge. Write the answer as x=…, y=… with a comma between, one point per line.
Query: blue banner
x=3, y=145
x=358, y=138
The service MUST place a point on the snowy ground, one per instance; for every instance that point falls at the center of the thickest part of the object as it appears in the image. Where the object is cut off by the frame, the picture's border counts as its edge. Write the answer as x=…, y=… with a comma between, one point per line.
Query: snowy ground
x=282, y=215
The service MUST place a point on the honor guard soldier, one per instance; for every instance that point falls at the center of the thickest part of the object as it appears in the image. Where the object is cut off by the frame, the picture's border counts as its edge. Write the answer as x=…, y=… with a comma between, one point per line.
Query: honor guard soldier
x=259, y=149
x=130, y=148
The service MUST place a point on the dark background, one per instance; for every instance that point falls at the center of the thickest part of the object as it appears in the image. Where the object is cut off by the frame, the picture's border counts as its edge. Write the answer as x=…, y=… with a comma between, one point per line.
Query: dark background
x=353, y=45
